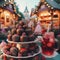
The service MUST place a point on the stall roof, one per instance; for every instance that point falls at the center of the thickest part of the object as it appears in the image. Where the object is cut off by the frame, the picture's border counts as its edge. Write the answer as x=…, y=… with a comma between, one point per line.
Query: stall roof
x=2, y=2
x=54, y=3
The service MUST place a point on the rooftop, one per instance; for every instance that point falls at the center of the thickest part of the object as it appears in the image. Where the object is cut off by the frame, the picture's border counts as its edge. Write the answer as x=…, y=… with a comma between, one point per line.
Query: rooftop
x=54, y=3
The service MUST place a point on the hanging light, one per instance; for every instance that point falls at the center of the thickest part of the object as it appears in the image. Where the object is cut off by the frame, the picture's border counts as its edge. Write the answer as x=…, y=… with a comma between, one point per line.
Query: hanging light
x=51, y=7
x=47, y=4
x=4, y=4
x=5, y=0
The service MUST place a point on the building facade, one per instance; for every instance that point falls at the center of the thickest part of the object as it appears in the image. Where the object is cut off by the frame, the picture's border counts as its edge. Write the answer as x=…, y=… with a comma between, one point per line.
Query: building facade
x=48, y=13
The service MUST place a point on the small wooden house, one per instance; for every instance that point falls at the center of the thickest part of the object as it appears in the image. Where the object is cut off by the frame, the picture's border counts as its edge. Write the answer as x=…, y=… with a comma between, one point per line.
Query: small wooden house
x=49, y=11
x=7, y=18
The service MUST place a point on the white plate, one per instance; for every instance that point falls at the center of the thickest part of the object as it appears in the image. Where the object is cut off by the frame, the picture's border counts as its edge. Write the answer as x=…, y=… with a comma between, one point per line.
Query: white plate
x=35, y=41
x=22, y=56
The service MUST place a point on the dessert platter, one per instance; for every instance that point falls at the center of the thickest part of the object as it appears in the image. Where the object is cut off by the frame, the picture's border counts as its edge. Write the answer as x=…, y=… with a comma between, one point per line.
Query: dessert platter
x=16, y=52
x=22, y=36
x=22, y=43
x=35, y=41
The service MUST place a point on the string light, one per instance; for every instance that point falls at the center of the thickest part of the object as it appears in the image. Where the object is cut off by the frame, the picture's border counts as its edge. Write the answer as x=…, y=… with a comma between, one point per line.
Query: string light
x=51, y=7
x=45, y=2
x=4, y=5
x=5, y=0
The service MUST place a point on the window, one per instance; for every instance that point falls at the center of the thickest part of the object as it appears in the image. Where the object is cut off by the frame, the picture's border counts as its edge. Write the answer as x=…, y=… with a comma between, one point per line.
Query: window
x=7, y=20
x=55, y=16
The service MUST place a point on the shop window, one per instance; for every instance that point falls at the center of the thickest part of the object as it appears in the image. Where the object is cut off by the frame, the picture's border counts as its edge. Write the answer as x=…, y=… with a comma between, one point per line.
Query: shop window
x=48, y=22
x=55, y=16
x=7, y=20
x=2, y=17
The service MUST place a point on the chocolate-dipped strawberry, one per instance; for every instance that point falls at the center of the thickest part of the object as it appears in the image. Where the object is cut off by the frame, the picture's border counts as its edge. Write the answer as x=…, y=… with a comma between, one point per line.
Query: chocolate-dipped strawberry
x=11, y=59
x=24, y=37
x=36, y=49
x=19, y=31
x=14, y=51
x=28, y=31
x=15, y=38
x=24, y=27
x=21, y=23
x=31, y=37
x=4, y=57
x=8, y=53
x=9, y=37
x=17, y=25
x=23, y=51
x=13, y=31
x=6, y=48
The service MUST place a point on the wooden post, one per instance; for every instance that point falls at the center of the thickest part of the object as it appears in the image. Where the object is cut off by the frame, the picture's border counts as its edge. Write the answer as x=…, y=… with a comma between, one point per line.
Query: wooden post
x=59, y=19
x=52, y=19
